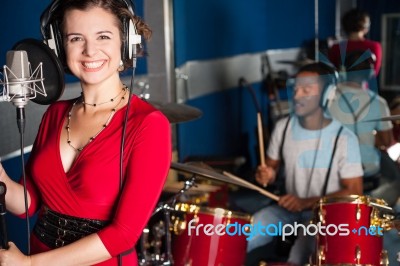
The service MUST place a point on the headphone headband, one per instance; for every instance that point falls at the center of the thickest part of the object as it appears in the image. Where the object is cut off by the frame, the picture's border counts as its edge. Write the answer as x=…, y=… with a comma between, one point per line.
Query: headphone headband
x=51, y=32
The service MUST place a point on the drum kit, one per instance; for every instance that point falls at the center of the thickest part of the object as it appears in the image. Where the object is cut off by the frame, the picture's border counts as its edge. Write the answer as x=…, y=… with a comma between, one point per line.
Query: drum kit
x=182, y=238
x=187, y=233
x=182, y=246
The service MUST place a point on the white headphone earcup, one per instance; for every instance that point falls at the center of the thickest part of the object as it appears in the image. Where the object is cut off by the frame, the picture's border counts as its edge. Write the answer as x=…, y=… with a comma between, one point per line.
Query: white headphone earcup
x=51, y=42
x=329, y=95
x=133, y=38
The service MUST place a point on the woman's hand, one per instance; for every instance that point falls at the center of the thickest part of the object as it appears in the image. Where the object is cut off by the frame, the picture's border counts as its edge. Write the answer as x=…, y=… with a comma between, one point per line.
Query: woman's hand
x=2, y=173
x=13, y=257
x=265, y=175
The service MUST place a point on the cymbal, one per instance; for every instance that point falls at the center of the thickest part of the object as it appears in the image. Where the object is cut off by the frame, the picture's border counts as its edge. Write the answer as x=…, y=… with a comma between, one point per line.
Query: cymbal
x=385, y=118
x=176, y=112
x=175, y=187
x=207, y=173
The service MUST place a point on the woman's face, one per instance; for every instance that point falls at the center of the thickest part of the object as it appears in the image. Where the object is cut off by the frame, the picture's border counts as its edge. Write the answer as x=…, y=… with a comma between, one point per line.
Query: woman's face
x=92, y=44
x=307, y=94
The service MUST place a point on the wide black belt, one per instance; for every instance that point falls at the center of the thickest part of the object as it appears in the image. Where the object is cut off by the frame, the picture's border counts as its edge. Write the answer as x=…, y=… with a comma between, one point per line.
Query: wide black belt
x=56, y=230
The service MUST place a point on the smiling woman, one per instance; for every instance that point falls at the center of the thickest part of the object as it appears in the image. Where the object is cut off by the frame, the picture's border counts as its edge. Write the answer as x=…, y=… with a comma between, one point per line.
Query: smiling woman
x=92, y=45
x=95, y=200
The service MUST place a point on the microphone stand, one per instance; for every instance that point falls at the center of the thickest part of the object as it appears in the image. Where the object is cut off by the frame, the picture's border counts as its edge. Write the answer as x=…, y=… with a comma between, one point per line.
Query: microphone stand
x=166, y=207
x=21, y=127
x=3, y=226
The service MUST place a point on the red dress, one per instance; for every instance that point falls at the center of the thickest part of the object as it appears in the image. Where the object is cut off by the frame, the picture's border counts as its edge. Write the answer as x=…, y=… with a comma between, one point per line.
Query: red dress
x=90, y=189
x=355, y=45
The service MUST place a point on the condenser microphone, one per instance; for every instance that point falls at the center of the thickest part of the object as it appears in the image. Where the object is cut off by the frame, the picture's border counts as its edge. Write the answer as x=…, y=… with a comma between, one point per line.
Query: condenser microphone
x=3, y=227
x=20, y=83
x=17, y=78
x=49, y=67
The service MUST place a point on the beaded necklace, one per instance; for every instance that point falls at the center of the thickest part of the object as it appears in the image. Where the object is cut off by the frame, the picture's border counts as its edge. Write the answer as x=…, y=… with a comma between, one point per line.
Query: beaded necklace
x=80, y=100
x=97, y=104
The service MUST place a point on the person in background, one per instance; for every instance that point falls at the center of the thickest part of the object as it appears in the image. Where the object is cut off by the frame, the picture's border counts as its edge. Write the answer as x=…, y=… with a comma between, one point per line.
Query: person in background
x=356, y=24
x=87, y=214
x=319, y=156
x=354, y=105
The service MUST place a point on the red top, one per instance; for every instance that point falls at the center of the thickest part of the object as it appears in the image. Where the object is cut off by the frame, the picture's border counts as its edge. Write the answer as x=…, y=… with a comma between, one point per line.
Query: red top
x=90, y=189
x=355, y=45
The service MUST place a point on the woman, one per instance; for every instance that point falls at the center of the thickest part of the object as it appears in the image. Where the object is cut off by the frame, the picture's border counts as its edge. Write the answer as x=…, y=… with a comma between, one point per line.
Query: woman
x=356, y=24
x=86, y=214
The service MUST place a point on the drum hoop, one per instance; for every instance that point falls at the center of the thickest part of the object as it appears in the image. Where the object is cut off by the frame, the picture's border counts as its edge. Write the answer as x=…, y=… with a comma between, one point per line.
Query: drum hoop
x=355, y=199
x=347, y=264
x=192, y=208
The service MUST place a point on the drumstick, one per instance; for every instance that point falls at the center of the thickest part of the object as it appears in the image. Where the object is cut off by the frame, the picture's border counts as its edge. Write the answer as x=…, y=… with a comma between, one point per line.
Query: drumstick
x=261, y=138
x=252, y=186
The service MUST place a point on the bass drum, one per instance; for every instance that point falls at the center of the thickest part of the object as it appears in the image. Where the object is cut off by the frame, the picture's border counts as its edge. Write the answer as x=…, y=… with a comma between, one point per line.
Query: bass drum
x=196, y=241
x=363, y=242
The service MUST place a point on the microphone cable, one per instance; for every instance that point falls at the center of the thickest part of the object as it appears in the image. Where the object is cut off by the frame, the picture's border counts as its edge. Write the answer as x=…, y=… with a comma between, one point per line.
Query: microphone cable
x=124, y=125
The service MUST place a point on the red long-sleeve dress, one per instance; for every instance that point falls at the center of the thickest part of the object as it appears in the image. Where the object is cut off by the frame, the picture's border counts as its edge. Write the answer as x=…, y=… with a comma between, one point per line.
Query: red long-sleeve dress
x=90, y=189
x=357, y=45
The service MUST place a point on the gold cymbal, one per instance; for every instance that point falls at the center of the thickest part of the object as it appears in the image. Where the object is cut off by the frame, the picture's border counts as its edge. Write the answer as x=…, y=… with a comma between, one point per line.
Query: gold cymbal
x=205, y=173
x=176, y=112
x=175, y=187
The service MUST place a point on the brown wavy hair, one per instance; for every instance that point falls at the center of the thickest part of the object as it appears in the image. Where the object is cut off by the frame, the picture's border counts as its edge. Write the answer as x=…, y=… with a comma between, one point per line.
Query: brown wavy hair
x=118, y=8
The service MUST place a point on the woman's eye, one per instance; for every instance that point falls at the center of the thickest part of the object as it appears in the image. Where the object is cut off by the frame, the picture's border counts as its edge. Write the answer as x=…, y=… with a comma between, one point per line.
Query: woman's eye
x=75, y=39
x=104, y=37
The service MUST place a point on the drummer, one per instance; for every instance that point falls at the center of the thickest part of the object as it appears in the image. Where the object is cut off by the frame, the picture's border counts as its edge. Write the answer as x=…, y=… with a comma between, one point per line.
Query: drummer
x=319, y=157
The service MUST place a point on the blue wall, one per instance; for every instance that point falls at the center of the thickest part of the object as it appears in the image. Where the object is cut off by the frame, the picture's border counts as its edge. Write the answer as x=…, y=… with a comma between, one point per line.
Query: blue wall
x=212, y=29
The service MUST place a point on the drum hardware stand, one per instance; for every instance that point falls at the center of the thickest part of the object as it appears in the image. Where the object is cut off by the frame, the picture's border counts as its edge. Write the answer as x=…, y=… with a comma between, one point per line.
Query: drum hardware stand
x=162, y=229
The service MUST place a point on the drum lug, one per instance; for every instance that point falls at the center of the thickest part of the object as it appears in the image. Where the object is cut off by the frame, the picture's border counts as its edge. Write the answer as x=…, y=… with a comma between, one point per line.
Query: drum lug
x=358, y=254
x=375, y=219
x=358, y=212
x=321, y=215
x=321, y=256
x=384, y=258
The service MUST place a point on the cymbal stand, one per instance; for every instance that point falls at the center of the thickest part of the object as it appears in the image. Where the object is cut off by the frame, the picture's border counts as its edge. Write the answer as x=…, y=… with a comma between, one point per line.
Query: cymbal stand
x=167, y=206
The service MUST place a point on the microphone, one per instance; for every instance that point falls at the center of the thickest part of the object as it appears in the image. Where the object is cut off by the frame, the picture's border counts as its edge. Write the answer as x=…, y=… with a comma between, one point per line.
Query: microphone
x=19, y=81
x=19, y=84
x=50, y=71
x=3, y=227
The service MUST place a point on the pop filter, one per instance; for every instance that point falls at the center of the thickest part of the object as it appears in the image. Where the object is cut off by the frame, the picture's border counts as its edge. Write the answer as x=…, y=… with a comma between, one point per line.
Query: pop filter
x=53, y=72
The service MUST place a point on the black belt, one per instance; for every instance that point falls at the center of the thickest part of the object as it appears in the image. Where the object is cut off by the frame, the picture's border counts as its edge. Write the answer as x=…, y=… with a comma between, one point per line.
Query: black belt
x=56, y=230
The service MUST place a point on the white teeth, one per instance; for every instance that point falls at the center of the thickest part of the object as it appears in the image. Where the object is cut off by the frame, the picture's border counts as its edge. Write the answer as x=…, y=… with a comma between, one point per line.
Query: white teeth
x=93, y=64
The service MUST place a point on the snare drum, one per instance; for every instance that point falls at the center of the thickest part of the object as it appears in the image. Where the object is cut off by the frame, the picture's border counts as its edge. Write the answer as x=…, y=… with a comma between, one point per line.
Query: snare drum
x=356, y=245
x=202, y=240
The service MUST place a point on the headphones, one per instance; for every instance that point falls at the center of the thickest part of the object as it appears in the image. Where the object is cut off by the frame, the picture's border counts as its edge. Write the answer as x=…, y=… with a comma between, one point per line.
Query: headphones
x=330, y=81
x=52, y=35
